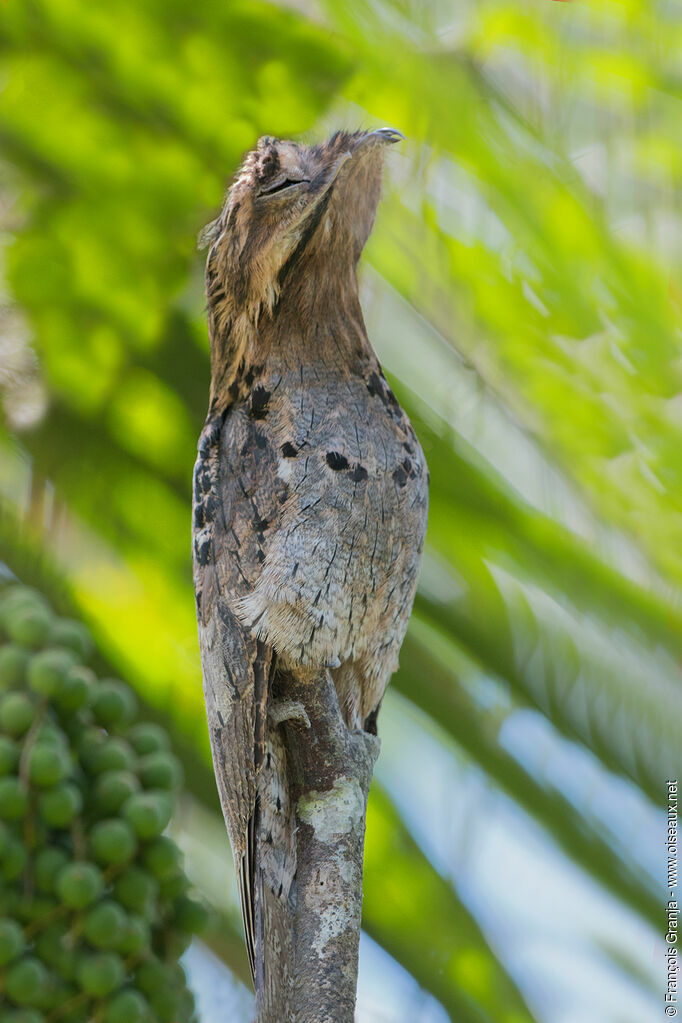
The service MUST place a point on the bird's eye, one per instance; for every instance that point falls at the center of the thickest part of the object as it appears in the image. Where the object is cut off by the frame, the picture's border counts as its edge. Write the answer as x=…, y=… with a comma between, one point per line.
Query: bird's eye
x=280, y=186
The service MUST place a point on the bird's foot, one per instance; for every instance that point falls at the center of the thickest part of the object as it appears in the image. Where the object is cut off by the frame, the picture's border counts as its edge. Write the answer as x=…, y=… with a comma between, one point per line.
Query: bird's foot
x=280, y=711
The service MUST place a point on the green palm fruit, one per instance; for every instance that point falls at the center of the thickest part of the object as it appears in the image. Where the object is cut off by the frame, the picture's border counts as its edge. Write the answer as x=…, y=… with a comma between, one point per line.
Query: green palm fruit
x=146, y=737
x=148, y=813
x=48, y=765
x=79, y=884
x=113, y=842
x=12, y=942
x=13, y=663
x=47, y=670
x=100, y=973
x=60, y=805
x=79, y=778
x=160, y=770
x=25, y=980
x=112, y=789
x=16, y=713
x=13, y=799
x=113, y=704
x=72, y=634
x=105, y=925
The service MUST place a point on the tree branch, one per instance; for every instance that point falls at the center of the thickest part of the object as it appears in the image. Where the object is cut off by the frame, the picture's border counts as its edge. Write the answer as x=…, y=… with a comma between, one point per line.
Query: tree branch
x=329, y=772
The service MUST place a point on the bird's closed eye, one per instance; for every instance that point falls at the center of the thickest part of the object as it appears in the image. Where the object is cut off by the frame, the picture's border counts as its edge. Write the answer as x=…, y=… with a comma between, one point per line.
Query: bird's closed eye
x=280, y=186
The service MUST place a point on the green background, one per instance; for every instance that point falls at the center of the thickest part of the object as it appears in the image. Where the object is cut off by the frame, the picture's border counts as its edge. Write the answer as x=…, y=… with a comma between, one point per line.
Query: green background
x=523, y=289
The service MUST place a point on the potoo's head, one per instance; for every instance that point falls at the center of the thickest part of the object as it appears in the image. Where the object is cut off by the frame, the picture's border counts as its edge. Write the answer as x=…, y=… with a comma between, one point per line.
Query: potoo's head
x=291, y=206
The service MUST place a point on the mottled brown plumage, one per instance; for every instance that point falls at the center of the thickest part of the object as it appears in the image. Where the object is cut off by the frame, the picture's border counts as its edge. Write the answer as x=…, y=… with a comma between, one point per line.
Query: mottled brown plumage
x=310, y=492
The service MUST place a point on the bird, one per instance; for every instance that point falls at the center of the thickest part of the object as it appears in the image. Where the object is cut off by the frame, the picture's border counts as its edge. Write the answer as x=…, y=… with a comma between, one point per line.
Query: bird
x=310, y=491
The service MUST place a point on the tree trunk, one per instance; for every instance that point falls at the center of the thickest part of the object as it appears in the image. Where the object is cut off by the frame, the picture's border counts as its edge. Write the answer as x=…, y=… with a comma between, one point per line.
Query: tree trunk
x=329, y=771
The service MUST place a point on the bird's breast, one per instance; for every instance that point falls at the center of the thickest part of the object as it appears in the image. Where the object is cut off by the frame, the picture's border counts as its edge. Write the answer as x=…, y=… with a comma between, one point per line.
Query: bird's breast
x=341, y=554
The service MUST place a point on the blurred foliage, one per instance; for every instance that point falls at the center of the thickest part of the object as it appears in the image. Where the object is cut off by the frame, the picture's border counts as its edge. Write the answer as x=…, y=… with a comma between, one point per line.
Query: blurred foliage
x=524, y=294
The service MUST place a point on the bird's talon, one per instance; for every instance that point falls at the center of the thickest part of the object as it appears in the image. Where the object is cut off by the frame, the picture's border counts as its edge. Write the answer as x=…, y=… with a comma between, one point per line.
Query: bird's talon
x=288, y=710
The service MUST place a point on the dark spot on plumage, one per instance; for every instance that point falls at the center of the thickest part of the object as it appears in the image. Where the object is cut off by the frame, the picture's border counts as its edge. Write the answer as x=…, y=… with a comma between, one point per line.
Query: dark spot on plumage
x=370, y=724
x=408, y=448
x=220, y=718
x=359, y=473
x=260, y=524
x=199, y=517
x=295, y=569
x=260, y=556
x=233, y=390
x=392, y=400
x=259, y=402
x=202, y=551
x=197, y=601
x=278, y=803
x=336, y=461
x=374, y=386
x=281, y=886
x=261, y=439
x=268, y=838
x=211, y=505
x=268, y=759
x=282, y=491
x=400, y=476
x=407, y=466
x=288, y=450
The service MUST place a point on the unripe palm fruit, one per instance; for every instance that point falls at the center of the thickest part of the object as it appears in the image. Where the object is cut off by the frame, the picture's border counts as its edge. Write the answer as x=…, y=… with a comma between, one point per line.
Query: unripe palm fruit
x=47, y=766
x=105, y=925
x=13, y=859
x=60, y=805
x=29, y=626
x=162, y=858
x=12, y=940
x=70, y=928
x=75, y=690
x=126, y=1007
x=47, y=670
x=100, y=973
x=13, y=799
x=112, y=789
x=25, y=980
x=79, y=884
x=72, y=634
x=9, y=755
x=48, y=863
x=160, y=770
x=136, y=890
x=146, y=737
x=113, y=704
x=148, y=813
x=13, y=663
x=113, y=842
x=16, y=713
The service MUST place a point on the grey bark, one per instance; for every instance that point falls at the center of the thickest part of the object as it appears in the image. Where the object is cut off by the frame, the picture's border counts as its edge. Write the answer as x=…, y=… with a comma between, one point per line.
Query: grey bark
x=329, y=770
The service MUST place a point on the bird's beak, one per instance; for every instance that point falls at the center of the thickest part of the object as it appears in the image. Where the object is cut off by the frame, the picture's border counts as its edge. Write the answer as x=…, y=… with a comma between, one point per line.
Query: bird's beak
x=382, y=136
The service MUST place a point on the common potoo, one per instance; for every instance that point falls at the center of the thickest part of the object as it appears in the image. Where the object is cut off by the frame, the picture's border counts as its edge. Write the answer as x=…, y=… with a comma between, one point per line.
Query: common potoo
x=310, y=487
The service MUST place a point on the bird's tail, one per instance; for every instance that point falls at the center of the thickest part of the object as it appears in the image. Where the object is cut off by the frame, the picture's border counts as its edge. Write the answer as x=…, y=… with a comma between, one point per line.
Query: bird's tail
x=275, y=867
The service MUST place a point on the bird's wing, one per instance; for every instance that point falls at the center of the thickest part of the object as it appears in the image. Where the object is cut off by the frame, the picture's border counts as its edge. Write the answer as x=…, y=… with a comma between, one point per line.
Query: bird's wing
x=235, y=498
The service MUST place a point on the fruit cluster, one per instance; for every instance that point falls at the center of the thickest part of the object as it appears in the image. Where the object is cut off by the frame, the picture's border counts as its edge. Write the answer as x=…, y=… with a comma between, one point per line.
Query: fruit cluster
x=94, y=904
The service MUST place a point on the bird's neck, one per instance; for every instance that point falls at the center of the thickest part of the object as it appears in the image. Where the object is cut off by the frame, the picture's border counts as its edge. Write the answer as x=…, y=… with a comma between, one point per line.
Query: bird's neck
x=315, y=318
